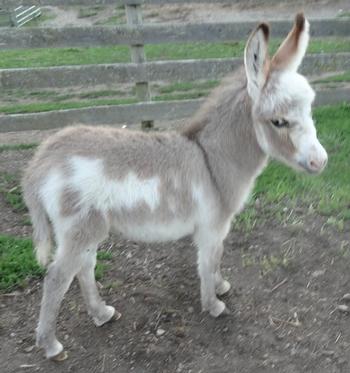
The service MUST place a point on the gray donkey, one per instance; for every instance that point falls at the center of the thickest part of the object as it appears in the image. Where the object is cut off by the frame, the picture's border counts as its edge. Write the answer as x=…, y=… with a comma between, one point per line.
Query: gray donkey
x=85, y=182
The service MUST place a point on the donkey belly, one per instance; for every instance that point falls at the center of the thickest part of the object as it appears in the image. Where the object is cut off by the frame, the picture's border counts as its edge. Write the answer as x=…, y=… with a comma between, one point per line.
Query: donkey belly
x=154, y=231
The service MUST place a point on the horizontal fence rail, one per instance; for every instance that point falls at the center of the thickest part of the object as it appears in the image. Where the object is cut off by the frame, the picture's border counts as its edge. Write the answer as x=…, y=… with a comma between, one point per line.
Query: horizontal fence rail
x=155, y=33
x=136, y=35
x=181, y=70
x=112, y=115
x=9, y=3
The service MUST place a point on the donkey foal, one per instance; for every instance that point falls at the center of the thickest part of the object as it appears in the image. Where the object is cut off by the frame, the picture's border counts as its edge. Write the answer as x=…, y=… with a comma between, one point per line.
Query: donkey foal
x=85, y=182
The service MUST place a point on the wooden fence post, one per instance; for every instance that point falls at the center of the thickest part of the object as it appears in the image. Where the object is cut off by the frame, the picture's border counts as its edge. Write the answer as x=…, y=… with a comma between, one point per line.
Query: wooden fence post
x=134, y=17
x=12, y=17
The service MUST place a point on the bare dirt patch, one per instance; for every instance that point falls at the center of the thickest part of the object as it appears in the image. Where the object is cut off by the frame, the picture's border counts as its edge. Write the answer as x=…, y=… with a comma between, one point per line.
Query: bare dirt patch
x=288, y=280
x=241, y=11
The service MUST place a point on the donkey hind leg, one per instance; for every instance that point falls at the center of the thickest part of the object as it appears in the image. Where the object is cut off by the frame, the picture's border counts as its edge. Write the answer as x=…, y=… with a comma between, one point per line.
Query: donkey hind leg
x=207, y=268
x=57, y=281
x=97, y=308
x=222, y=286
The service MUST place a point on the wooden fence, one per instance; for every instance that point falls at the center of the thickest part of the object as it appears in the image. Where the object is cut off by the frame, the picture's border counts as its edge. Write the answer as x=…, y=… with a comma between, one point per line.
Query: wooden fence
x=139, y=71
x=18, y=16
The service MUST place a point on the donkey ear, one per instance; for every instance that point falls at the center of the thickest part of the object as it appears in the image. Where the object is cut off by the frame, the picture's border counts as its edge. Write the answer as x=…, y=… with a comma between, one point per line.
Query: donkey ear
x=292, y=50
x=256, y=60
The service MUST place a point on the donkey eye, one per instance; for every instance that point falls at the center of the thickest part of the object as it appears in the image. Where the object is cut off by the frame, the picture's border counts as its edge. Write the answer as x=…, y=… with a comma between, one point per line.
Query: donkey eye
x=279, y=123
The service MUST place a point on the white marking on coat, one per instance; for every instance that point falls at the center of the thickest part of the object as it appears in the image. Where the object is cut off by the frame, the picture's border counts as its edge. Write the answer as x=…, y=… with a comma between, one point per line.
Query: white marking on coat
x=104, y=193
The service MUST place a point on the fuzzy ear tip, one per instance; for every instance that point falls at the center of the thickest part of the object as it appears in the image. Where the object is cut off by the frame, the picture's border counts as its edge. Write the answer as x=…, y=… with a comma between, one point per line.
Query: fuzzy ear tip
x=264, y=27
x=300, y=21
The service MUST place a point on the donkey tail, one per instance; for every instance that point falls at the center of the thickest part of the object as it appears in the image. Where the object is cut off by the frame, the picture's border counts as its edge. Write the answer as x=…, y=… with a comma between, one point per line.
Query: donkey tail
x=42, y=229
x=42, y=234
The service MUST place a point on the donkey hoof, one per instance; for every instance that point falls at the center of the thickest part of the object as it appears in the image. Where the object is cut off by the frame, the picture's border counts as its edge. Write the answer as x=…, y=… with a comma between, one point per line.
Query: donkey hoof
x=225, y=312
x=218, y=309
x=223, y=288
x=55, y=351
x=63, y=355
x=106, y=316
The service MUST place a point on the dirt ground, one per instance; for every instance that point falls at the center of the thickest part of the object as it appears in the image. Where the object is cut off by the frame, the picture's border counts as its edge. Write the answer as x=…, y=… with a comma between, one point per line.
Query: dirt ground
x=241, y=11
x=288, y=279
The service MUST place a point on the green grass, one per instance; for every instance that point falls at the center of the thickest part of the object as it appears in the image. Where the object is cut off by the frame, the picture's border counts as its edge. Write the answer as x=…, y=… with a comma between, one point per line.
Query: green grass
x=11, y=190
x=345, y=77
x=113, y=54
x=102, y=263
x=62, y=56
x=9, y=147
x=17, y=262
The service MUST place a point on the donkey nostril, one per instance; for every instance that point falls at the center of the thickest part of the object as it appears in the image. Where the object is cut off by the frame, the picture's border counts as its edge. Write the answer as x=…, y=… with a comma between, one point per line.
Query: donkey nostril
x=313, y=164
x=317, y=165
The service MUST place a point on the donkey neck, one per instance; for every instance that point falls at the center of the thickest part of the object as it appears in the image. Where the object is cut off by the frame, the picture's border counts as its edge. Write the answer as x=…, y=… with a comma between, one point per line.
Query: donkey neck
x=223, y=129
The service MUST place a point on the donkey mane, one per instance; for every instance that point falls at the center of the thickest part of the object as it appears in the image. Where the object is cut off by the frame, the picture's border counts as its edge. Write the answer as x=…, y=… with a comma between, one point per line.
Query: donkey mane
x=224, y=132
x=221, y=102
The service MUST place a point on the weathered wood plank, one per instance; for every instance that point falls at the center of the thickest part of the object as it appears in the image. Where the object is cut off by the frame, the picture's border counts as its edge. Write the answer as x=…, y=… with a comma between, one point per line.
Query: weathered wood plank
x=155, y=33
x=98, y=115
x=183, y=70
x=134, y=113
x=13, y=3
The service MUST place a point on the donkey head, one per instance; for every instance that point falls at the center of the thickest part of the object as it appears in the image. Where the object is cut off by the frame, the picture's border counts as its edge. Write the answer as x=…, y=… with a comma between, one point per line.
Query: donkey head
x=282, y=99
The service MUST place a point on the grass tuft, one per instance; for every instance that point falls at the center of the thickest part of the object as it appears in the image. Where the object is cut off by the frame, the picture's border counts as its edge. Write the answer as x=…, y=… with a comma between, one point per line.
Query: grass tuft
x=102, y=263
x=11, y=190
x=9, y=147
x=17, y=262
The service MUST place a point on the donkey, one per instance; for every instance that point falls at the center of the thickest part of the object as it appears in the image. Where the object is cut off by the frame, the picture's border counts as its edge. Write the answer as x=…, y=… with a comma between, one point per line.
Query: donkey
x=85, y=182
